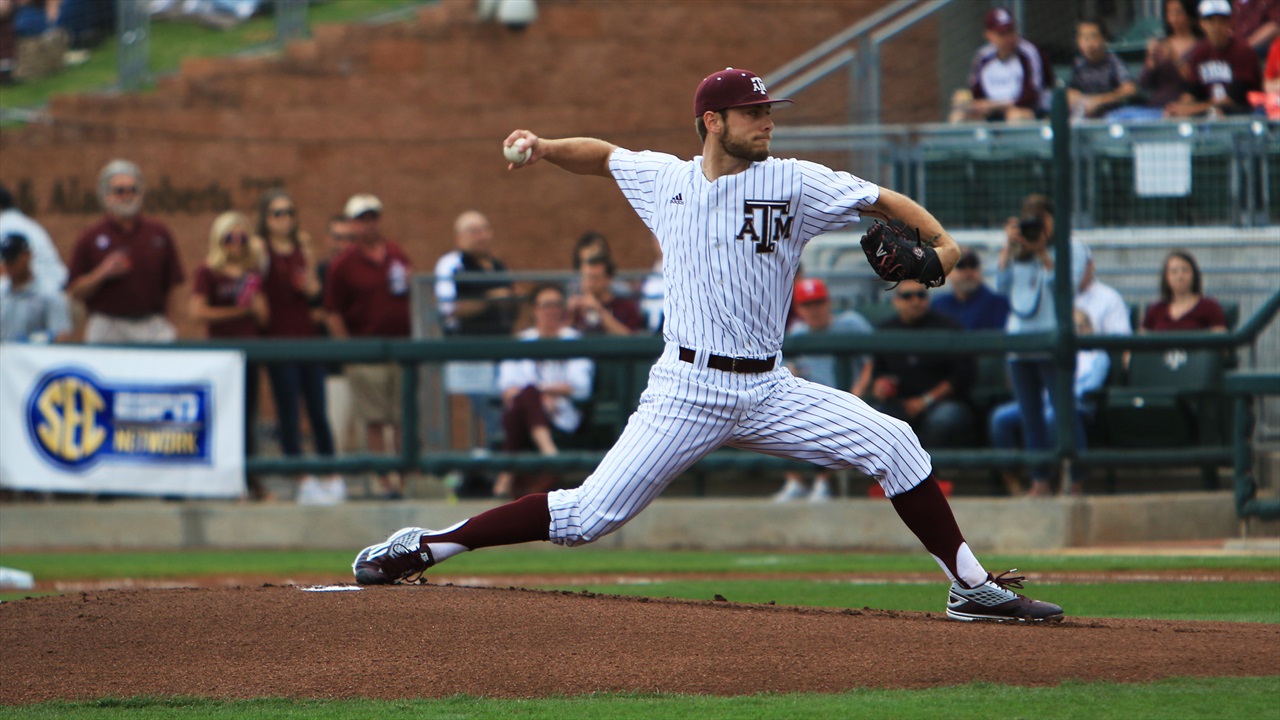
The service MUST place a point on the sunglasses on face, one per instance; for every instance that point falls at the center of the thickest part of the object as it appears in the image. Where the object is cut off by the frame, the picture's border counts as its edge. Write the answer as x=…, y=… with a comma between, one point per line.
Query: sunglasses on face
x=370, y=215
x=237, y=238
x=283, y=212
x=913, y=295
x=343, y=237
x=124, y=190
x=967, y=264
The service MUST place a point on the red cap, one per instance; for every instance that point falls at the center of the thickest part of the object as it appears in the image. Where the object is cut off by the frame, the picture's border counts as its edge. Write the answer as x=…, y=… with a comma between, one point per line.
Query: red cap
x=998, y=20
x=731, y=88
x=810, y=289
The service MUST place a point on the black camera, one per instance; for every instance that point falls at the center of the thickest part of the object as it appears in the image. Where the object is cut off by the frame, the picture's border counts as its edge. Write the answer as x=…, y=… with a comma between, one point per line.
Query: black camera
x=1031, y=227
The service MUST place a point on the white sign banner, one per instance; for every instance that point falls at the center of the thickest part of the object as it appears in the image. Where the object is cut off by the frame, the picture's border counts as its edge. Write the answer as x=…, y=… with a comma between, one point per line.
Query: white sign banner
x=155, y=421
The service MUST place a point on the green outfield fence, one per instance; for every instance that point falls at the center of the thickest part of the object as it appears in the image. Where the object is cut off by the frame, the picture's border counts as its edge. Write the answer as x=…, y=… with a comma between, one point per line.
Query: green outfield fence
x=639, y=352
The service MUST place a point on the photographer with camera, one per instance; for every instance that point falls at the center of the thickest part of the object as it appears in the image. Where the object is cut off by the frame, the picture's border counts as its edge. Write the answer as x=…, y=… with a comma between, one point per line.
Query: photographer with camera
x=1025, y=276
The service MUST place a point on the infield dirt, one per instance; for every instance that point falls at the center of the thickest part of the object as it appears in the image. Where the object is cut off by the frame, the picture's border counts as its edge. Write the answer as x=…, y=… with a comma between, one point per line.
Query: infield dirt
x=440, y=640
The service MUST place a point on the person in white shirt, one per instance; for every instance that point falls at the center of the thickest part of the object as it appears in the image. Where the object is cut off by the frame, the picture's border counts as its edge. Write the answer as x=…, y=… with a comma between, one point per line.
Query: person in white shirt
x=1108, y=313
x=46, y=264
x=538, y=395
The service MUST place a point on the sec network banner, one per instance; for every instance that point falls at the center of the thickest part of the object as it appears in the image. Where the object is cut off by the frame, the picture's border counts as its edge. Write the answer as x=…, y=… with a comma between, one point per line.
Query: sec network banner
x=155, y=421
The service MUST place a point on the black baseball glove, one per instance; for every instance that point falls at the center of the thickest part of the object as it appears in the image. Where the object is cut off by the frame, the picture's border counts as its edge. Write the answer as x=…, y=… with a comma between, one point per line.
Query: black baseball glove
x=896, y=253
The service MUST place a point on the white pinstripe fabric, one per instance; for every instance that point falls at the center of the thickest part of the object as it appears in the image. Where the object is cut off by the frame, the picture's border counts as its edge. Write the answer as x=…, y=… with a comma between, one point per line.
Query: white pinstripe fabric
x=730, y=296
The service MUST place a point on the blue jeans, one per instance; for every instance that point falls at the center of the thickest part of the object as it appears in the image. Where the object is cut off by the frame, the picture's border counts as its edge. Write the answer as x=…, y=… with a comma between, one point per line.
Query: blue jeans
x=1030, y=379
x=288, y=382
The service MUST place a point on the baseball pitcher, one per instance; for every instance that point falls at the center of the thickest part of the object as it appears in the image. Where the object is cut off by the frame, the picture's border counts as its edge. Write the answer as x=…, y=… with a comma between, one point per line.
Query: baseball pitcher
x=732, y=223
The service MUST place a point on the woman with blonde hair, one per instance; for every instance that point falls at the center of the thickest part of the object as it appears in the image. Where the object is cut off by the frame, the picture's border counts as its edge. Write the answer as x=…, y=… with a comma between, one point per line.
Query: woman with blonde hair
x=227, y=297
x=293, y=291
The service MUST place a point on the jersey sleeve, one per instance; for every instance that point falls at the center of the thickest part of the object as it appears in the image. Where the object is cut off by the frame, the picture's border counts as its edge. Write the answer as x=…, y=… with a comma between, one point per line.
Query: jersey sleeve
x=832, y=198
x=637, y=176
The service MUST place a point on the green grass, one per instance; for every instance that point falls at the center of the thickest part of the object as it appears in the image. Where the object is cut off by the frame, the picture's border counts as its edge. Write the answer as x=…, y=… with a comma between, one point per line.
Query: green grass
x=173, y=41
x=1181, y=698
x=1218, y=601
x=549, y=560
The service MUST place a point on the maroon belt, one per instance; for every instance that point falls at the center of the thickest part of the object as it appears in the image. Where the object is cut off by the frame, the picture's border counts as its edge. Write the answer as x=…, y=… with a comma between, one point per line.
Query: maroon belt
x=749, y=366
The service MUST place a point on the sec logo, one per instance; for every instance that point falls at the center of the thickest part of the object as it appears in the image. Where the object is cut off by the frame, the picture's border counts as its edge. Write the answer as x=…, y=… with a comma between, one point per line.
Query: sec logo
x=66, y=418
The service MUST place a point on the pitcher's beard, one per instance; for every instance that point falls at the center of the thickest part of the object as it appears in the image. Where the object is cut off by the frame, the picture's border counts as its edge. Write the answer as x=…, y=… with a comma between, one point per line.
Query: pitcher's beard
x=743, y=150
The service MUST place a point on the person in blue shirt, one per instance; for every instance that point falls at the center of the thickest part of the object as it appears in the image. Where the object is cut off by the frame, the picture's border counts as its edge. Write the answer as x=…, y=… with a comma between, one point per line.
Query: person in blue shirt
x=1026, y=275
x=970, y=302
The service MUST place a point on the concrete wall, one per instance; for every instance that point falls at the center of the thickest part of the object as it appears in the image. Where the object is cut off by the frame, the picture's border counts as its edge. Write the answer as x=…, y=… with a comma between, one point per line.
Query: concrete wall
x=990, y=525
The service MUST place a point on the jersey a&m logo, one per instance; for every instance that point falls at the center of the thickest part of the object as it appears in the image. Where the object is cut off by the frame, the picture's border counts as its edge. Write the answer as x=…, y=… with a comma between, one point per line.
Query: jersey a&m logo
x=774, y=223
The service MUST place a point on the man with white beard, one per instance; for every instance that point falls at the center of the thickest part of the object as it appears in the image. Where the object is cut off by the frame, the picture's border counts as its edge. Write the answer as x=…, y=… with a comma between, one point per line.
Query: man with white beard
x=125, y=267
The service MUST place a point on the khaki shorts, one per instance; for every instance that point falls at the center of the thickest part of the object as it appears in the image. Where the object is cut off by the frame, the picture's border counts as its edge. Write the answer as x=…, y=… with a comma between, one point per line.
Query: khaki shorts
x=375, y=393
x=105, y=329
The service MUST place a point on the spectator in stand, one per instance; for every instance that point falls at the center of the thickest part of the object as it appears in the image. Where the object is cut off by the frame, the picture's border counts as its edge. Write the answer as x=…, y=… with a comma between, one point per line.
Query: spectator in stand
x=1010, y=79
x=1092, y=368
x=970, y=302
x=927, y=390
x=337, y=391
x=125, y=267
x=8, y=43
x=1164, y=69
x=653, y=291
x=1183, y=304
x=813, y=301
x=291, y=285
x=475, y=307
x=30, y=312
x=1102, y=304
x=46, y=264
x=227, y=298
x=1026, y=274
x=592, y=244
x=1221, y=71
x=1268, y=103
x=1256, y=23
x=538, y=395
x=367, y=295
x=1099, y=80
x=597, y=310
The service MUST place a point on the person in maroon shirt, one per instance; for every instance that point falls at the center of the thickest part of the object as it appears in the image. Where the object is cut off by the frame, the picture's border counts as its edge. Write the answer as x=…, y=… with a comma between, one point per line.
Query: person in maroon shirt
x=1221, y=69
x=125, y=267
x=290, y=286
x=1183, y=305
x=596, y=310
x=367, y=295
x=227, y=298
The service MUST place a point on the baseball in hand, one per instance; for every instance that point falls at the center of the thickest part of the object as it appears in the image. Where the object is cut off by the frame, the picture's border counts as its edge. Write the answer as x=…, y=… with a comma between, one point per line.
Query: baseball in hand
x=517, y=152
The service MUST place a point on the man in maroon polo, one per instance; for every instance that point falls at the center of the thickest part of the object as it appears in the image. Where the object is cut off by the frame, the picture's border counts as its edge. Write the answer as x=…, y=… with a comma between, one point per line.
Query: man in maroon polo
x=125, y=267
x=367, y=295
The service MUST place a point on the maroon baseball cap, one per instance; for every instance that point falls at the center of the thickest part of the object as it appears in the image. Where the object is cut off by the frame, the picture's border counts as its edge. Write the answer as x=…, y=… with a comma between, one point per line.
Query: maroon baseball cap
x=731, y=88
x=998, y=20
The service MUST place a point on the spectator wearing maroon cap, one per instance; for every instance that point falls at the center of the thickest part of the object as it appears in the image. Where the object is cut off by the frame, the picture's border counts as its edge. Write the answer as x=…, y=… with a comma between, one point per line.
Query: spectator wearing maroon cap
x=125, y=267
x=970, y=302
x=1010, y=79
x=1221, y=70
x=367, y=295
x=227, y=298
x=290, y=285
x=812, y=303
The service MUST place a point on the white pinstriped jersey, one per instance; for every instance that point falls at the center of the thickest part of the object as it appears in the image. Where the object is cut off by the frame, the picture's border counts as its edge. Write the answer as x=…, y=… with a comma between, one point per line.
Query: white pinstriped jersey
x=731, y=247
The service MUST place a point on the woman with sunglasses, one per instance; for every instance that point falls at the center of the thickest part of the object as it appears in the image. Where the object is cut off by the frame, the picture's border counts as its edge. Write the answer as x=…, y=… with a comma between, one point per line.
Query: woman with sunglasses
x=227, y=297
x=292, y=289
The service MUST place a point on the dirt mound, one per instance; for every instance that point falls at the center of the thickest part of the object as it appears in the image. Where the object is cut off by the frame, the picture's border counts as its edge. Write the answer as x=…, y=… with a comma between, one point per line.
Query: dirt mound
x=433, y=641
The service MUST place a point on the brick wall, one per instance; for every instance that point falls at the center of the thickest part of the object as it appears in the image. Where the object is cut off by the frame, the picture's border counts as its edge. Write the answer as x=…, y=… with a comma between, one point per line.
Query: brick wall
x=415, y=113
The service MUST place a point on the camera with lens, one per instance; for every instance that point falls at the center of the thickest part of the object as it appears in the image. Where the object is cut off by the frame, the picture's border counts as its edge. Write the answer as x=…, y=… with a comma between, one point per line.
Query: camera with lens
x=1031, y=228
